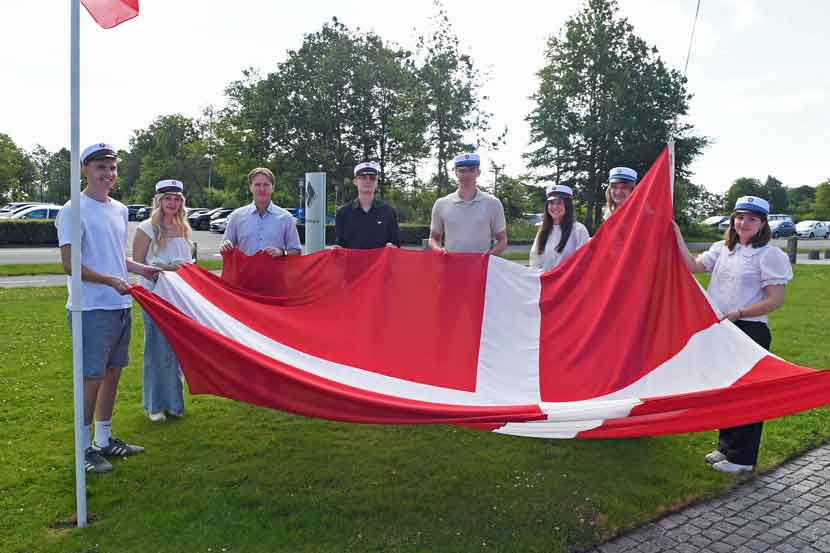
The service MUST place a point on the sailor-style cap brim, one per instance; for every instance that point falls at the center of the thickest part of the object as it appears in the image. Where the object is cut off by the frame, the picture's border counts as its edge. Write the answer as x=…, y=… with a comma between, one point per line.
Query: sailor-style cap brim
x=753, y=204
x=169, y=186
x=467, y=160
x=558, y=191
x=98, y=151
x=366, y=168
x=622, y=174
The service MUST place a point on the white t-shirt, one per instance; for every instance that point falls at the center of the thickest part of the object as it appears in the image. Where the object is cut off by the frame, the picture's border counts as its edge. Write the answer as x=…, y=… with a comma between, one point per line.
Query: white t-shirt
x=550, y=258
x=739, y=276
x=103, y=249
x=175, y=250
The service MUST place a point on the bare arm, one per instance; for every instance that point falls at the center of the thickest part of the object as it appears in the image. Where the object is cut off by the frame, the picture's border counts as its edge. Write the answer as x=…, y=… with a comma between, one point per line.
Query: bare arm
x=435, y=241
x=773, y=300
x=501, y=243
x=693, y=264
x=141, y=245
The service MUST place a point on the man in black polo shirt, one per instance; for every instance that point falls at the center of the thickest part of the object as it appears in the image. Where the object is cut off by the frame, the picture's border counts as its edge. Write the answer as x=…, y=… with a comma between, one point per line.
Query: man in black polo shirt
x=365, y=222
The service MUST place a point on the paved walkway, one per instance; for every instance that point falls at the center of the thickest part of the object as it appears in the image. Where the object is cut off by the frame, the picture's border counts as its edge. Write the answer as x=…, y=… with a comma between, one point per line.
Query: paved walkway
x=786, y=510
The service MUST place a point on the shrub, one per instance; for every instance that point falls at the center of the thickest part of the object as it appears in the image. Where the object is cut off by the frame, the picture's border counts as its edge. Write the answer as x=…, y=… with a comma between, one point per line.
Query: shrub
x=27, y=231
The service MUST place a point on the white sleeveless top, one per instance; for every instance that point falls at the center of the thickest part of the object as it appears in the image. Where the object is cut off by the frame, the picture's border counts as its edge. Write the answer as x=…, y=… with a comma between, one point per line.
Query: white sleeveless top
x=175, y=250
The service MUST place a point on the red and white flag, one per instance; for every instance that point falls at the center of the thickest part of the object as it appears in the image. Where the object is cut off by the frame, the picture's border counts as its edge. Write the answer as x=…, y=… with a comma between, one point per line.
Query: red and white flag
x=619, y=340
x=109, y=13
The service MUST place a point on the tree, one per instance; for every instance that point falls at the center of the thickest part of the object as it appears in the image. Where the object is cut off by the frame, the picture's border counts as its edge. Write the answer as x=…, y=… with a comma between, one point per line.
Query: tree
x=605, y=98
x=17, y=172
x=800, y=201
x=821, y=205
x=452, y=102
x=744, y=186
x=170, y=148
x=776, y=194
x=53, y=174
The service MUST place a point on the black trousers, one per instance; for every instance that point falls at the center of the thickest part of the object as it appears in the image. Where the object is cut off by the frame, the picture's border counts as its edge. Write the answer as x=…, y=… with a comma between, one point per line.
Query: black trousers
x=740, y=444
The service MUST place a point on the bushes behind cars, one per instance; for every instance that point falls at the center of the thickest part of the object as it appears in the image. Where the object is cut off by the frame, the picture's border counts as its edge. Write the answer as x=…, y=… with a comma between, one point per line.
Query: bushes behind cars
x=28, y=231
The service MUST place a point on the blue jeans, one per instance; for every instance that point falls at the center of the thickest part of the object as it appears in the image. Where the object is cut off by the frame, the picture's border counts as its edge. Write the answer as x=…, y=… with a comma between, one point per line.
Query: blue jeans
x=162, y=379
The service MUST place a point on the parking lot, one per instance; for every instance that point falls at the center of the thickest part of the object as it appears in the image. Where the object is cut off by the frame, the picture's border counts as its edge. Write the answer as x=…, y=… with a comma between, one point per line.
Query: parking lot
x=208, y=246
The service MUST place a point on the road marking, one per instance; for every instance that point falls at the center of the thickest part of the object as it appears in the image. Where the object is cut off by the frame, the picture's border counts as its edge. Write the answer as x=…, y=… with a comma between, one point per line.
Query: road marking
x=6, y=282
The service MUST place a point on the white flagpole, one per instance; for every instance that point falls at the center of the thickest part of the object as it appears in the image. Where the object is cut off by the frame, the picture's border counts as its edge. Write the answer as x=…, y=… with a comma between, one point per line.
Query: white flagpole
x=77, y=299
x=671, y=169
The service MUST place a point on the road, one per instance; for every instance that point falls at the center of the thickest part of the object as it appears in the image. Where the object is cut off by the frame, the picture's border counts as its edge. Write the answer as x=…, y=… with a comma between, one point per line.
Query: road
x=208, y=246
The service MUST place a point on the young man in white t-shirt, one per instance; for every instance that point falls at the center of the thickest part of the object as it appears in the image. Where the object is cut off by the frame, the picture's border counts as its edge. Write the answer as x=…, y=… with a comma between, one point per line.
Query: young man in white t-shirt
x=106, y=305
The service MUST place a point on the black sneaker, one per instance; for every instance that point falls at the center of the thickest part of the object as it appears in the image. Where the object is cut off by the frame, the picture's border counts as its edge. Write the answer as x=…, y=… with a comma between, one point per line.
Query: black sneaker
x=118, y=448
x=94, y=462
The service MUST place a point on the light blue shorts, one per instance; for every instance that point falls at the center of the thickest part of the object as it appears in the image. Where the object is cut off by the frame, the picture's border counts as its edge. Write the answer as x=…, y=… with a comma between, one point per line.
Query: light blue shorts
x=106, y=340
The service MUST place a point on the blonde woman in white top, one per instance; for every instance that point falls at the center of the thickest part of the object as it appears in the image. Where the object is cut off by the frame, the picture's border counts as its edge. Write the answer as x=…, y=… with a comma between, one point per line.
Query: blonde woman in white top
x=162, y=241
x=559, y=235
x=748, y=281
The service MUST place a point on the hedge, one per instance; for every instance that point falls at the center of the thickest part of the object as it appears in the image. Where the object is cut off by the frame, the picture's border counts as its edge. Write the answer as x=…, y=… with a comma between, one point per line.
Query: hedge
x=28, y=232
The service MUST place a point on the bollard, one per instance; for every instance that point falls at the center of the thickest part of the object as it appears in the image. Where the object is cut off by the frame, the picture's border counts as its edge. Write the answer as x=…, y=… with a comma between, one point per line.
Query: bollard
x=813, y=254
x=792, y=248
x=194, y=252
x=826, y=254
x=424, y=243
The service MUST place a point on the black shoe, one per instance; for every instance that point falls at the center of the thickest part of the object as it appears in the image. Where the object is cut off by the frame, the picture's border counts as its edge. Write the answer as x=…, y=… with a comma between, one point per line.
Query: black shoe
x=118, y=448
x=94, y=462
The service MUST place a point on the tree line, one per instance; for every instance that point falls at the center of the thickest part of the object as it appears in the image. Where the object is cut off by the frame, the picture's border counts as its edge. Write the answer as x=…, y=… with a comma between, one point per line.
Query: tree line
x=604, y=98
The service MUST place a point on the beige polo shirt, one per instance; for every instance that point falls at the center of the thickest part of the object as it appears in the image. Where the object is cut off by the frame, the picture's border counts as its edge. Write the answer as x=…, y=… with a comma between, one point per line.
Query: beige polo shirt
x=468, y=226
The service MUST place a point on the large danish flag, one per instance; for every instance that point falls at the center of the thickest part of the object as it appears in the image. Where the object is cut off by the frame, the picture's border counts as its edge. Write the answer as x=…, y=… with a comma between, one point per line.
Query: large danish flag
x=619, y=340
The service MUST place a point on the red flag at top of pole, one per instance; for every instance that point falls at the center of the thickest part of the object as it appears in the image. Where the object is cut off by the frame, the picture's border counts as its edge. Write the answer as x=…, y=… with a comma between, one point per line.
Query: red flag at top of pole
x=109, y=13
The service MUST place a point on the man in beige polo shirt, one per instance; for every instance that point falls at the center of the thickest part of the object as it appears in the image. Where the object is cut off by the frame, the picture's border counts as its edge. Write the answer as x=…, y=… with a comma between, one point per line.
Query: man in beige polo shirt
x=469, y=219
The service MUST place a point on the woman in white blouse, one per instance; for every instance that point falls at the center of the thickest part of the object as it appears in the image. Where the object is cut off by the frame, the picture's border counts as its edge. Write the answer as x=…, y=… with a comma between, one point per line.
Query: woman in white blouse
x=162, y=241
x=748, y=280
x=560, y=235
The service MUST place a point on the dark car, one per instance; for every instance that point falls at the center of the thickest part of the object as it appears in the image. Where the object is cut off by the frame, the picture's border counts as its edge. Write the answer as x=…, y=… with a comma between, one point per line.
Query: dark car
x=781, y=229
x=219, y=220
x=132, y=210
x=201, y=220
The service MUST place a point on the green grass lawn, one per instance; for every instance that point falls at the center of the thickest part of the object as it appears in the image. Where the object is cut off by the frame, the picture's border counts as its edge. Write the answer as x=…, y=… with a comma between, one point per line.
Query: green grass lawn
x=232, y=477
x=57, y=268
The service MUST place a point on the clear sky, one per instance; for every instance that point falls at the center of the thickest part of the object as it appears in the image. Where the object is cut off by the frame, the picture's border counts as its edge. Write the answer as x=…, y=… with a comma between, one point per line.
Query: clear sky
x=759, y=69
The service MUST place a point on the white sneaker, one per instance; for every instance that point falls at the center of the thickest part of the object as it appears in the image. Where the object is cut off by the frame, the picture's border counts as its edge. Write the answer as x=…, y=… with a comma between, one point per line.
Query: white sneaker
x=157, y=417
x=715, y=457
x=732, y=468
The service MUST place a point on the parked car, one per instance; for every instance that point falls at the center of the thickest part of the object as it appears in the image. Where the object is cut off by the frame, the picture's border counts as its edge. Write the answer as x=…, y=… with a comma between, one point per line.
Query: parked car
x=15, y=207
x=221, y=214
x=723, y=225
x=188, y=211
x=715, y=221
x=813, y=229
x=132, y=210
x=535, y=218
x=781, y=228
x=42, y=211
x=200, y=220
x=298, y=213
x=143, y=213
x=219, y=225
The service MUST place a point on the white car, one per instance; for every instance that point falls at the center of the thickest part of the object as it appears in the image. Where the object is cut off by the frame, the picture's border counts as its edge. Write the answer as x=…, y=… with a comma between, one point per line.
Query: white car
x=37, y=212
x=813, y=229
x=15, y=207
x=715, y=220
x=219, y=225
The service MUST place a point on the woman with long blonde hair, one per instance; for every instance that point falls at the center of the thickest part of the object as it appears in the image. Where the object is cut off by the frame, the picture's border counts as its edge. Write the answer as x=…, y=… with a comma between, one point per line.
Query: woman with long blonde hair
x=162, y=241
